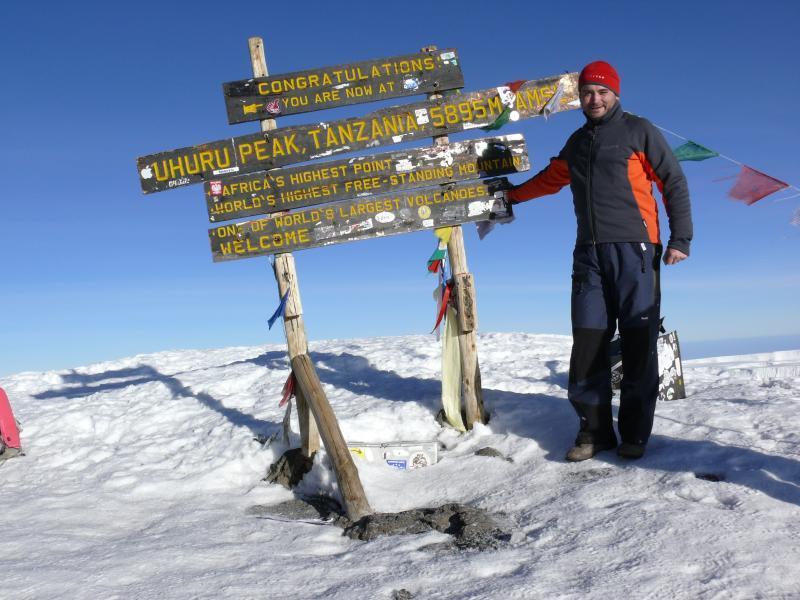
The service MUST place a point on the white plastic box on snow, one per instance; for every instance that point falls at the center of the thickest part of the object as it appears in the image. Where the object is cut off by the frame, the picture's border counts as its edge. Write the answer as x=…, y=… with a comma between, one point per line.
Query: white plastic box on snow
x=400, y=455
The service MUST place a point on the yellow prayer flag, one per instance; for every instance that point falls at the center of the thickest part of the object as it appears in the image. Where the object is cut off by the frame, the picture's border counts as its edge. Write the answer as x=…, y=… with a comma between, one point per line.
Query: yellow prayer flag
x=443, y=233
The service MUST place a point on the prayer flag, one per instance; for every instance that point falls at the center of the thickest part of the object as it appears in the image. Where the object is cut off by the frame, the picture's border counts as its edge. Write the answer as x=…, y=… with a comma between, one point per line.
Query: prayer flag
x=445, y=300
x=501, y=120
x=278, y=311
x=451, y=372
x=554, y=104
x=515, y=85
x=443, y=233
x=435, y=261
x=508, y=97
x=751, y=185
x=288, y=389
x=438, y=294
x=693, y=151
x=484, y=228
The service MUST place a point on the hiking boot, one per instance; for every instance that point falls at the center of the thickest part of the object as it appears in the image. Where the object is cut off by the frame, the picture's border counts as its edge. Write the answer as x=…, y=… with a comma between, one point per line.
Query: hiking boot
x=630, y=451
x=7, y=453
x=586, y=451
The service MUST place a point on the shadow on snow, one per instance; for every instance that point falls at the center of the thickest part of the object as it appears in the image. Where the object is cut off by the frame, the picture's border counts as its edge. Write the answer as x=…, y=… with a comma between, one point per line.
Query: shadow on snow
x=551, y=422
x=548, y=420
x=79, y=384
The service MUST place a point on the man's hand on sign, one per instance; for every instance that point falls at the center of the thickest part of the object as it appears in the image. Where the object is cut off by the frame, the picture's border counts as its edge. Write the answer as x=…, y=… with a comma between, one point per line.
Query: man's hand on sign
x=498, y=184
x=501, y=209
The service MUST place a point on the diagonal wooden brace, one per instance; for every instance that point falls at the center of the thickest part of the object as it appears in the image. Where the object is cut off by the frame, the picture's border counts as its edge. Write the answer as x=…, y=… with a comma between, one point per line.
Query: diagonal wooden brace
x=355, y=500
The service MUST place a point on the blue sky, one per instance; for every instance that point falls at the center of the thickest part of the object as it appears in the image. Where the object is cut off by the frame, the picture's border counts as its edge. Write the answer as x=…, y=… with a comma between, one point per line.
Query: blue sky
x=92, y=269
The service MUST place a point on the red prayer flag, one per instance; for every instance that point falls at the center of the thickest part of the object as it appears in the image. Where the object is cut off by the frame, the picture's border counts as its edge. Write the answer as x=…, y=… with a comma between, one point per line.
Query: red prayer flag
x=433, y=265
x=443, y=309
x=288, y=389
x=751, y=185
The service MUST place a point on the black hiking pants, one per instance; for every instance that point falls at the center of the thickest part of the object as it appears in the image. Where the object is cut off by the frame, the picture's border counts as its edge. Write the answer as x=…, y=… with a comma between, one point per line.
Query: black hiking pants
x=615, y=285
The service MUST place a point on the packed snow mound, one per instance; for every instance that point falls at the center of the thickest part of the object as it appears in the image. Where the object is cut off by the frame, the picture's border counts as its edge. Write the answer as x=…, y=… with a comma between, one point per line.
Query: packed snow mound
x=140, y=476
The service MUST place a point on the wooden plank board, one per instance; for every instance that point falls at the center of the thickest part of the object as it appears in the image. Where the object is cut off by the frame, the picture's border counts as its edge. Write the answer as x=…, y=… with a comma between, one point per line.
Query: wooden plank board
x=358, y=219
x=265, y=192
x=465, y=302
x=296, y=144
x=341, y=85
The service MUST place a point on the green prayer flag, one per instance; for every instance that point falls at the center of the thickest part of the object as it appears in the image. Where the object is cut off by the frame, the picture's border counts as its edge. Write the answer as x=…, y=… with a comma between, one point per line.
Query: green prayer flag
x=693, y=151
x=501, y=120
x=438, y=254
x=436, y=258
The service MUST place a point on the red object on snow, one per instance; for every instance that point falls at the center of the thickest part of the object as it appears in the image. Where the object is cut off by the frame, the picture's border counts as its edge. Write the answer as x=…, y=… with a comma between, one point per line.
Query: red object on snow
x=8, y=425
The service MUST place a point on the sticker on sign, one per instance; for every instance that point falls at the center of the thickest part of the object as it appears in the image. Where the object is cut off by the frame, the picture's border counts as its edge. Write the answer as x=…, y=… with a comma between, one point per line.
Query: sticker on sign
x=226, y=171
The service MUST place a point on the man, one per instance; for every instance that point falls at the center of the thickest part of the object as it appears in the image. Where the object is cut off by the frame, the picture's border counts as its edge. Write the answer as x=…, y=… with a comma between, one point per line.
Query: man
x=611, y=164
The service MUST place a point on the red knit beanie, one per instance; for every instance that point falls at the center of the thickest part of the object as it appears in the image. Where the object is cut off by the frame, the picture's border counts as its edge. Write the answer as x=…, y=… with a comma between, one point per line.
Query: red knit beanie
x=600, y=73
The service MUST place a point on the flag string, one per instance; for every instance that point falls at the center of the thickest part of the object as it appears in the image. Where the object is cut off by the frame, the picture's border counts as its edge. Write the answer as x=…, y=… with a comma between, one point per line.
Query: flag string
x=787, y=197
x=728, y=158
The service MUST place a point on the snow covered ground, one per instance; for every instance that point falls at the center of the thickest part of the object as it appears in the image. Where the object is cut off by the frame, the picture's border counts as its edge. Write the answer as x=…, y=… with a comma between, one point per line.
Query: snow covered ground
x=139, y=472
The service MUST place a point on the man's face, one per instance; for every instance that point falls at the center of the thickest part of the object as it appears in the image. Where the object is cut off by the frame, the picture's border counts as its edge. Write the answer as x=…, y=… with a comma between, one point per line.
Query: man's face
x=597, y=100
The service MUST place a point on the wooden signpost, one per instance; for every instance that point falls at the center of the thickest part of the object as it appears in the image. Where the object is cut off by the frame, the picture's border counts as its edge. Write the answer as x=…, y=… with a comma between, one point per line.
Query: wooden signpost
x=287, y=188
x=296, y=144
x=328, y=87
x=288, y=286
x=466, y=308
x=344, y=200
x=351, y=220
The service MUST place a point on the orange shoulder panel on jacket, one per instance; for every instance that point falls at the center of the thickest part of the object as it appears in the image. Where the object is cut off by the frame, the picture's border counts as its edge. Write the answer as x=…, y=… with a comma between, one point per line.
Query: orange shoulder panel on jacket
x=641, y=177
x=547, y=181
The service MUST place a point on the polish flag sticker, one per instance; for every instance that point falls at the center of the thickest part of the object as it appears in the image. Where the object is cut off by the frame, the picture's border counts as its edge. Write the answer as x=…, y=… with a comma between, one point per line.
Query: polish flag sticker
x=273, y=107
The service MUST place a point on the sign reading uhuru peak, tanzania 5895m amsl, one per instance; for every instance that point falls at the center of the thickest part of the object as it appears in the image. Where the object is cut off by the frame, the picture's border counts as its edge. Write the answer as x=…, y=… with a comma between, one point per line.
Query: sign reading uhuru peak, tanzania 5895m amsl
x=287, y=188
x=290, y=145
x=328, y=87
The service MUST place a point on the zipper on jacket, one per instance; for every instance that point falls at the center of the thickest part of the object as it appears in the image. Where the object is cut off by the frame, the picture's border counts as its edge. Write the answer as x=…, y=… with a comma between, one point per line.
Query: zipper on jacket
x=592, y=133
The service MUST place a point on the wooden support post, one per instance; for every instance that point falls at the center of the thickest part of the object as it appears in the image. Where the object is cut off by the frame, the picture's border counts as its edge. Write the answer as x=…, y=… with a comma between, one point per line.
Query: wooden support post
x=355, y=500
x=285, y=274
x=464, y=288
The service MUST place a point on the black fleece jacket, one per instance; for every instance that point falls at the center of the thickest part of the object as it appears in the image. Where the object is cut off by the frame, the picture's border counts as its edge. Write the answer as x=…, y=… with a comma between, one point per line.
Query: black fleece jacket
x=611, y=166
